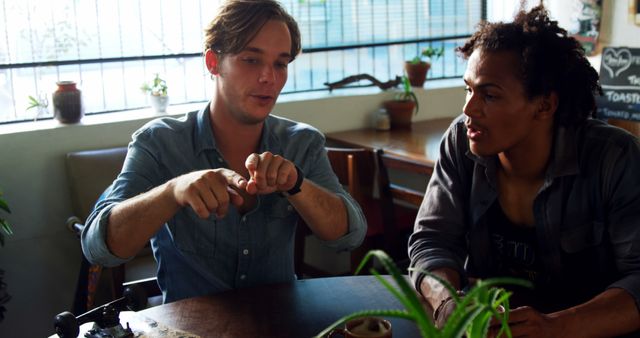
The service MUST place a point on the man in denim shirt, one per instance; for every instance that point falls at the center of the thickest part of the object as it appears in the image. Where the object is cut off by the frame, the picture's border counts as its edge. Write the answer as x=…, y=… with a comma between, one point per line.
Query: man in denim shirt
x=528, y=186
x=219, y=191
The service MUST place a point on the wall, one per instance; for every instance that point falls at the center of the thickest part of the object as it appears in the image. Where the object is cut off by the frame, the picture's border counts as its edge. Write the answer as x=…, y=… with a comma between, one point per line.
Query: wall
x=41, y=259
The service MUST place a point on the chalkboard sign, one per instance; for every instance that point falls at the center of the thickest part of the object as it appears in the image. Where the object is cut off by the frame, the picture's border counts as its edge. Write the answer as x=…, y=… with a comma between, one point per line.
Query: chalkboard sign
x=620, y=80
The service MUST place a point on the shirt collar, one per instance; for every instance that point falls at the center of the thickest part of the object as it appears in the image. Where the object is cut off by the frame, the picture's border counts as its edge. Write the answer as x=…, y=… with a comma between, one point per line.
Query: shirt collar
x=204, y=139
x=564, y=155
x=203, y=136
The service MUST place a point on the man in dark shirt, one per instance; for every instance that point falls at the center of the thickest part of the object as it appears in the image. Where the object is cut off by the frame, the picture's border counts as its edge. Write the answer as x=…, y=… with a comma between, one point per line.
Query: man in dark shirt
x=527, y=185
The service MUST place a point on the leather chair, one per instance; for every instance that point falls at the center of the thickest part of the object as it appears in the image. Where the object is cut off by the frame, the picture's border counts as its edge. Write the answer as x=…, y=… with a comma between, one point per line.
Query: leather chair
x=89, y=174
x=356, y=171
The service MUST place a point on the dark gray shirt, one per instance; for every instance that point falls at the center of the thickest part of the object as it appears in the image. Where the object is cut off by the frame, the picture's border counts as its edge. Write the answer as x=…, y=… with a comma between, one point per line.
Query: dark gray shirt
x=203, y=256
x=587, y=213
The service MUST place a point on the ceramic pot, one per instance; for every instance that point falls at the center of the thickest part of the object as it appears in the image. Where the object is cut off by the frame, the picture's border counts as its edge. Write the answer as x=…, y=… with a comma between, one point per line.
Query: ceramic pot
x=417, y=72
x=159, y=103
x=67, y=103
x=400, y=113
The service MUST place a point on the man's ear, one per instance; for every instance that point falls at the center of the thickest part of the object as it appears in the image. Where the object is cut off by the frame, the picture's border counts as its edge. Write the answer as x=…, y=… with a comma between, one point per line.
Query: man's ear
x=547, y=106
x=211, y=60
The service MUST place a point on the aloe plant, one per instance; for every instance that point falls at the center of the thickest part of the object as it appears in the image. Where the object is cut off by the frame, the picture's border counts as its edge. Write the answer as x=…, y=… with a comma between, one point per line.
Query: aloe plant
x=5, y=227
x=407, y=93
x=471, y=316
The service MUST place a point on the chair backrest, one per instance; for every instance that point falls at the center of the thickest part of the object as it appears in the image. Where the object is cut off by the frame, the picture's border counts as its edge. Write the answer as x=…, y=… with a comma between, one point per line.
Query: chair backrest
x=396, y=191
x=390, y=193
x=90, y=173
x=355, y=169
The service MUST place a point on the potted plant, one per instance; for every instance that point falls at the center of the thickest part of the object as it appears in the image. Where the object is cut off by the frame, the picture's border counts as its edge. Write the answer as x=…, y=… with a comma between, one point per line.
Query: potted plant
x=157, y=91
x=418, y=67
x=403, y=106
x=5, y=229
x=471, y=317
x=41, y=105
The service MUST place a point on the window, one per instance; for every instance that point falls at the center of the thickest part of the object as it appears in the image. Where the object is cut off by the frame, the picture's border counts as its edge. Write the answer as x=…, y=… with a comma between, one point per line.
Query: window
x=111, y=47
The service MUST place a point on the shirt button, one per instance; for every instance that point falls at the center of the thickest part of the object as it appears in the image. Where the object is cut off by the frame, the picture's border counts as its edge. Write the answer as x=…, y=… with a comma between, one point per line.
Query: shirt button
x=219, y=159
x=245, y=251
x=244, y=218
x=243, y=277
x=290, y=207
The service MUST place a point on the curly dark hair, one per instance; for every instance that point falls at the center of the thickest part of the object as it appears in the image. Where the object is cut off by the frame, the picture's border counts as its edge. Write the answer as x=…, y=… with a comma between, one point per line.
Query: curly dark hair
x=550, y=61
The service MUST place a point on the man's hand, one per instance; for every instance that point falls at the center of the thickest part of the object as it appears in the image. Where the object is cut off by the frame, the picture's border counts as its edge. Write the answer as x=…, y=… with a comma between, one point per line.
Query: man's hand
x=527, y=322
x=269, y=173
x=208, y=191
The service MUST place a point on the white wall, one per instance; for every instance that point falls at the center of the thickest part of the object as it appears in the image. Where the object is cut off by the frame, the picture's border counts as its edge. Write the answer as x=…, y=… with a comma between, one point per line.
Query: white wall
x=41, y=259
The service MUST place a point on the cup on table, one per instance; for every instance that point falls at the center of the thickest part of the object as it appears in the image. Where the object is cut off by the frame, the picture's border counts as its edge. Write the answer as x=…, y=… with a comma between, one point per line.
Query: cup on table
x=366, y=327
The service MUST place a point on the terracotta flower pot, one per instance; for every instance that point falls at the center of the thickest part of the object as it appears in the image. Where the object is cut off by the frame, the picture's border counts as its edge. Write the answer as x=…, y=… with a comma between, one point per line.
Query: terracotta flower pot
x=417, y=72
x=400, y=113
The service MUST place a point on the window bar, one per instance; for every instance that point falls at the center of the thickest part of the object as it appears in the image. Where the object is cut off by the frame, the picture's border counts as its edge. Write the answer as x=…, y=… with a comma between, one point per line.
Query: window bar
x=357, y=10
x=207, y=74
x=182, y=49
x=75, y=17
x=310, y=43
x=455, y=64
x=326, y=40
x=144, y=62
x=404, y=47
x=164, y=46
x=388, y=37
x=55, y=44
x=104, y=95
x=373, y=39
x=35, y=74
x=8, y=51
x=124, y=85
x=344, y=66
x=292, y=69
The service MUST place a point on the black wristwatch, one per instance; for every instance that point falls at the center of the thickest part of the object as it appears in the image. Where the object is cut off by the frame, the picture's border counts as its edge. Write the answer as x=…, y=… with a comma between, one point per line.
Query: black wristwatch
x=296, y=187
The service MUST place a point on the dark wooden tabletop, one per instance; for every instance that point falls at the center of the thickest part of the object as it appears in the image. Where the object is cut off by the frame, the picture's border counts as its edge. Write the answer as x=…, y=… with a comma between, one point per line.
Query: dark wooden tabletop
x=419, y=144
x=299, y=309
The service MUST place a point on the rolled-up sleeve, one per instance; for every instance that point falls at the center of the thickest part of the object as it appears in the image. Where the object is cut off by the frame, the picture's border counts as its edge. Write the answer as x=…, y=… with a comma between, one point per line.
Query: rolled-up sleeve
x=318, y=169
x=438, y=239
x=138, y=175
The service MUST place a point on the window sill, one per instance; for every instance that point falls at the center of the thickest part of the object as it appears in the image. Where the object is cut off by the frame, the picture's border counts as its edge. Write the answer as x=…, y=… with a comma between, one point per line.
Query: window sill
x=146, y=114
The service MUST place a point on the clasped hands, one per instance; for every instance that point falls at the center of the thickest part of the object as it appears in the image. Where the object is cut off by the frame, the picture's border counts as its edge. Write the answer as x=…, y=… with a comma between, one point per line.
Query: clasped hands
x=211, y=191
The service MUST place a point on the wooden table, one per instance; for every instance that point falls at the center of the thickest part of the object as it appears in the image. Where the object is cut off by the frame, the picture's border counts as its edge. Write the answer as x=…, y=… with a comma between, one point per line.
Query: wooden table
x=420, y=144
x=299, y=309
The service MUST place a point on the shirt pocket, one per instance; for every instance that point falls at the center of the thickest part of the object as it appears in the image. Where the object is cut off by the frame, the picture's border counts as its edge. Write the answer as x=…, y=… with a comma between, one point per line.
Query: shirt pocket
x=582, y=237
x=280, y=218
x=194, y=235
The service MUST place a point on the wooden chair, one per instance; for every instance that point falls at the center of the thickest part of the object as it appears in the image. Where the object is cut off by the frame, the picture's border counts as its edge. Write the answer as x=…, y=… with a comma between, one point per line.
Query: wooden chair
x=89, y=174
x=391, y=193
x=356, y=170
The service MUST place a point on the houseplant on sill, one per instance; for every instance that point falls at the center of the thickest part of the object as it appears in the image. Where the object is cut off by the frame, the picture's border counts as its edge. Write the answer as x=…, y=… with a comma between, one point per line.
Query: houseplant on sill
x=403, y=106
x=418, y=67
x=5, y=229
x=471, y=317
x=157, y=91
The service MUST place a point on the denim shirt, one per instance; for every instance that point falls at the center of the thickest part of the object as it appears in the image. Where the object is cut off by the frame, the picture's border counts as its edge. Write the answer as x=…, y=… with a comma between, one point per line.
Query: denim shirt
x=204, y=256
x=587, y=213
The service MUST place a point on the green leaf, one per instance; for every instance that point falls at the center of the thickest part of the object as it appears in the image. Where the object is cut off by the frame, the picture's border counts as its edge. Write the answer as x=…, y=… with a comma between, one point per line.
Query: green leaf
x=4, y=206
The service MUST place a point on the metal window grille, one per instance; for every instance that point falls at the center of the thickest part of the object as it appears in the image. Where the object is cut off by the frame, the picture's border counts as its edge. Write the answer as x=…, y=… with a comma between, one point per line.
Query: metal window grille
x=111, y=47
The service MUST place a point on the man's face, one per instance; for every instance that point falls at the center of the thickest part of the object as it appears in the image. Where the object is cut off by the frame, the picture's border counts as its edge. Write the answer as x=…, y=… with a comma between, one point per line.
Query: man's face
x=499, y=114
x=249, y=82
